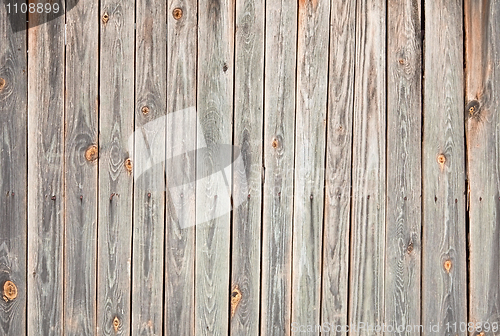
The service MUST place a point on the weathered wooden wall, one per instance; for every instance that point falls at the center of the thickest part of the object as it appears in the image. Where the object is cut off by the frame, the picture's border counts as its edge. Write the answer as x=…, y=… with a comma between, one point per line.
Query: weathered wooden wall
x=368, y=132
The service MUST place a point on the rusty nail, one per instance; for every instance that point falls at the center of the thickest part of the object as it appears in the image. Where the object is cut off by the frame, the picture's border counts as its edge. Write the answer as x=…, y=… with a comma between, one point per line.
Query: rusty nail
x=480, y=199
x=81, y=197
x=248, y=195
x=13, y=194
x=149, y=195
x=105, y=17
x=235, y=299
x=9, y=291
x=111, y=197
x=91, y=153
x=275, y=143
x=405, y=198
x=447, y=265
x=225, y=67
x=53, y=198
x=116, y=324
x=311, y=197
x=401, y=61
x=441, y=159
x=177, y=13
x=410, y=248
x=128, y=165
x=2, y=84
x=145, y=110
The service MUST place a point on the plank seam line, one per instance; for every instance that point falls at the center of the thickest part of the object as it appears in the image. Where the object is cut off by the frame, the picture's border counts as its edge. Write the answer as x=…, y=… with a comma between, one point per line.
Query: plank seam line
x=325, y=165
x=231, y=213
x=262, y=163
x=348, y=310
x=294, y=148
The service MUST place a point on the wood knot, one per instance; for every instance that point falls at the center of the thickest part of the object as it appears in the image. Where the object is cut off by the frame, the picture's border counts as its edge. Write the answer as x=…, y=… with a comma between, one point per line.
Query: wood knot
x=441, y=159
x=409, y=249
x=2, y=83
x=91, y=153
x=105, y=17
x=472, y=108
x=447, y=266
x=225, y=67
x=116, y=324
x=145, y=110
x=177, y=13
x=9, y=291
x=235, y=299
x=128, y=165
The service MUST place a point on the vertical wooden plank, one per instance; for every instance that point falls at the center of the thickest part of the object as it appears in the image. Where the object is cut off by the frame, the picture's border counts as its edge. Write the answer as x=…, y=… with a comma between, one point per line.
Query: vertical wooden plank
x=215, y=103
x=279, y=144
x=338, y=163
x=181, y=202
x=444, y=283
x=248, y=133
x=310, y=129
x=116, y=125
x=45, y=175
x=81, y=154
x=404, y=123
x=149, y=188
x=13, y=177
x=482, y=132
x=369, y=170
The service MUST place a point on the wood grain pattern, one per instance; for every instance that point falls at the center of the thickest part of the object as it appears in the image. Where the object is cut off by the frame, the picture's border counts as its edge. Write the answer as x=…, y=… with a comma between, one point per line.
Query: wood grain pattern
x=214, y=109
x=81, y=122
x=404, y=176
x=368, y=168
x=46, y=124
x=13, y=175
x=149, y=190
x=279, y=147
x=116, y=125
x=444, y=270
x=338, y=163
x=482, y=132
x=310, y=133
x=181, y=201
x=248, y=134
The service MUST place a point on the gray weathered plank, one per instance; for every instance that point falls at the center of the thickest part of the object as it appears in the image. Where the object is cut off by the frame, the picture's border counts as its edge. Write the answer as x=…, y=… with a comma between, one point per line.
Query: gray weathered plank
x=310, y=134
x=80, y=154
x=149, y=190
x=368, y=168
x=404, y=121
x=13, y=177
x=181, y=207
x=279, y=116
x=45, y=175
x=214, y=104
x=444, y=270
x=116, y=125
x=482, y=25
x=248, y=136
x=338, y=163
